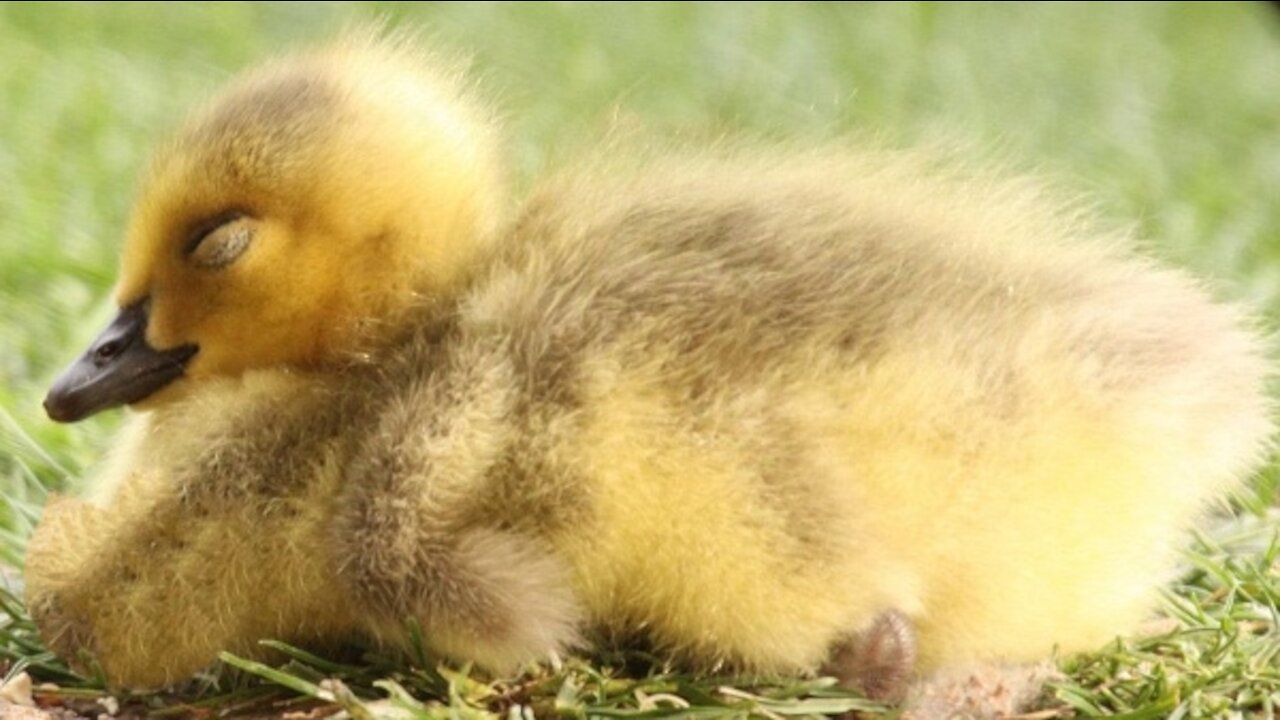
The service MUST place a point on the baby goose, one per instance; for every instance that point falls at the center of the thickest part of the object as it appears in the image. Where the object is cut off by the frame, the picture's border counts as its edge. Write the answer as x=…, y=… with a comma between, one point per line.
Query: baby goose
x=749, y=404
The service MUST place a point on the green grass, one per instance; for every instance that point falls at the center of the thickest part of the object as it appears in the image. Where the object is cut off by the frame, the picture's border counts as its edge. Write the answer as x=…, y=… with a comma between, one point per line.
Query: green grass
x=1168, y=116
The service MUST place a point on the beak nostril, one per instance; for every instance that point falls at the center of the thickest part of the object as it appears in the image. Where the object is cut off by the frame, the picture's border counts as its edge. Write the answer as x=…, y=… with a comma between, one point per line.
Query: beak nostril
x=106, y=351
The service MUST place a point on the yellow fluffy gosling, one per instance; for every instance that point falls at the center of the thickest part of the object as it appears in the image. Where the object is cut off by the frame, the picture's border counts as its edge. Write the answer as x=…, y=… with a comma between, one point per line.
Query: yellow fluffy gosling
x=747, y=404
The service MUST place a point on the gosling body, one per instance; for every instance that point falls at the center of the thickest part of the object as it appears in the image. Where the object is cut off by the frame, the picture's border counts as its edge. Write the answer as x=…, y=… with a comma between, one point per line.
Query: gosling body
x=742, y=403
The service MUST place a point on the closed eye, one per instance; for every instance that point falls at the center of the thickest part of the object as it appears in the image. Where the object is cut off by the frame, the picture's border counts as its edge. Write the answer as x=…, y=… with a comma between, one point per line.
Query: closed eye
x=202, y=229
x=220, y=240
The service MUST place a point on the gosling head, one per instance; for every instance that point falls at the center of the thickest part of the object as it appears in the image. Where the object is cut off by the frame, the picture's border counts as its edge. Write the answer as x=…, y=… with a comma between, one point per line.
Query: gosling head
x=314, y=195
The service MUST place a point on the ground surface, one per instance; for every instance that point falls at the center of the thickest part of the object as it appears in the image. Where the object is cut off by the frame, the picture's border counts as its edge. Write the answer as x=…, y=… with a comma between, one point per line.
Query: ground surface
x=1166, y=115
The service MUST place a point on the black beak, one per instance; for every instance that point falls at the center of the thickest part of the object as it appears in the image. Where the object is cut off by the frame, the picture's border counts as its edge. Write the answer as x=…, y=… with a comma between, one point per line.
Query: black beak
x=119, y=368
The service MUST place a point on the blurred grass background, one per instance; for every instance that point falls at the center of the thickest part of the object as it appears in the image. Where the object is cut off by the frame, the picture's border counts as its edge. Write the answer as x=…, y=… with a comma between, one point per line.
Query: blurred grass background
x=1167, y=115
